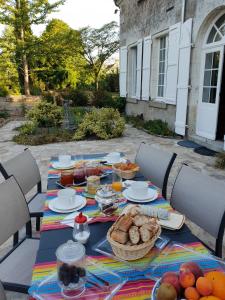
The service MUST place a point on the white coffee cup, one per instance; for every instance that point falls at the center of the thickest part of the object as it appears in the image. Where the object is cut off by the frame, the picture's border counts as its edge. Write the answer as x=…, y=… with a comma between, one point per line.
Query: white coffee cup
x=64, y=159
x=139, y=189
x=114, y=157
x=67, y=198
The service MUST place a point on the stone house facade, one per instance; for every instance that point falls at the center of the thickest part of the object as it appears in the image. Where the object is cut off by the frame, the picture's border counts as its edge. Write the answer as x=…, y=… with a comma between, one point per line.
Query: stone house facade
x=172, y=65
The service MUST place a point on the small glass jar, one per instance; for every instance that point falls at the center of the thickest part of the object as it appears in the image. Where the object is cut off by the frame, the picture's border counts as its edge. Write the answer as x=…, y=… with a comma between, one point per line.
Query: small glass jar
x=71, y=269
x=66, y=178
x=93, y=169
x=79, y=175
x=93, y=184
x=81, y=230
x=106, y=199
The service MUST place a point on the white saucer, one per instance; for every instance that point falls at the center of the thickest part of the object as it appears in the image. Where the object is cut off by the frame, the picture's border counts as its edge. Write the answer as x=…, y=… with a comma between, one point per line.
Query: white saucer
x=110, y=162
x=152, y=195
x=77, y=202
x=63, y=211
x=62, y=166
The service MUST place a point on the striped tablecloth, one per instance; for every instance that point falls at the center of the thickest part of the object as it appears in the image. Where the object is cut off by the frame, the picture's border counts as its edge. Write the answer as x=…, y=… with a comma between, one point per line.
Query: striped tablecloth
x=138, y=286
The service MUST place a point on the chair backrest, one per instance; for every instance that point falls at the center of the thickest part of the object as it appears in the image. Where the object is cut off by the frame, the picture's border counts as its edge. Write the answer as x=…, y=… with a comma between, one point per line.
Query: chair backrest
x=24, y=168
x=14, y=212
x=155, y=165
x=201, y=199
x=2, y=292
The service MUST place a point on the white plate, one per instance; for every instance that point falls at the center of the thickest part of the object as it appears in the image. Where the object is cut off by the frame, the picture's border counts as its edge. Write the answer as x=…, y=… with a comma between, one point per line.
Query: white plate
x=78, y=200
x=152, y=196
x=110, y=162
x=52, y=207
x=62, y=166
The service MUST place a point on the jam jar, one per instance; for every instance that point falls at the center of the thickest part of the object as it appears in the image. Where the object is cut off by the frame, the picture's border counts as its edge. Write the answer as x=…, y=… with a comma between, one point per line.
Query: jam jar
x=71, y=269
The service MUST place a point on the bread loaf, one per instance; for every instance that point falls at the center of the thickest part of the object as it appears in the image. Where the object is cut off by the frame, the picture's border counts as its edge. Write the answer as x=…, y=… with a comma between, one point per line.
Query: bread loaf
x=124, y=223
x=120, y=236
x=134, y=235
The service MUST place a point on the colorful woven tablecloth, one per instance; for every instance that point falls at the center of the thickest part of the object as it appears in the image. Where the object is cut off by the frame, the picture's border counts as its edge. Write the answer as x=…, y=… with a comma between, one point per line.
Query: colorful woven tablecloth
x=138, y=287
x=51, y=220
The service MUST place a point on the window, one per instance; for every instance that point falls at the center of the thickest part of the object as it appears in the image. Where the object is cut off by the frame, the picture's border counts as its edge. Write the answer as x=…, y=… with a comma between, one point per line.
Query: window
x=163, y=45
x=218, y=31
x=211, y=77
x=133, y=72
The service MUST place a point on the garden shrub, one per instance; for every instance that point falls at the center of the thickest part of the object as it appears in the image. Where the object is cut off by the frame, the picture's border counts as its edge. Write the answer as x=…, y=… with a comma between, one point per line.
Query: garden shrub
x=4, y=114
x=46, y=114
x=28, y=128
x=3, y=91
x=105, y=99
x=41, y=139
x=78, y=97
x=158, y=127
x=104, y=123
x=155, y=127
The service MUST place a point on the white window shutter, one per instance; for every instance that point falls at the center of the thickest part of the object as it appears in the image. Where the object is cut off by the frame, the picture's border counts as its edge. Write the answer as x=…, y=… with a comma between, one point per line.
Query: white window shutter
x=146, y=69
x=183, y=77
x=139, y=69
x=172, y=64
x=123, y=71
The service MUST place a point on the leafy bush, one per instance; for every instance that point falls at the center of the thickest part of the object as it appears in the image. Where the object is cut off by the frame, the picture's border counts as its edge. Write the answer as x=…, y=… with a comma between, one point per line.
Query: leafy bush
x=44, y=138
x=105, y=99
x=4, y=114
x=78, y=114
x=158, y=127
x=220, y=160
x=28, y=128
x=78, y=97
x=3, y=91
x=104, y=123
x=155, y=127
x=46, y=114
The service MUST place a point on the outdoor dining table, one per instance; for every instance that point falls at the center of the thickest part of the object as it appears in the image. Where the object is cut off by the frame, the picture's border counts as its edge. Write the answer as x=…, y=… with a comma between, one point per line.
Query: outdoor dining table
x=53, y=234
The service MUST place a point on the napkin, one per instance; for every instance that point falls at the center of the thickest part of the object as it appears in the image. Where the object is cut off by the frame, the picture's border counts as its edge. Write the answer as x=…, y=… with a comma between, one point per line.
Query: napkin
x=69, y=219
x=155, y=212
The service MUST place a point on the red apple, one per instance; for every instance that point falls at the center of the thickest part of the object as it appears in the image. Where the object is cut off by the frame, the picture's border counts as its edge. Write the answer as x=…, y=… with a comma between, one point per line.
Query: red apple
x=193, y=268
x=173, y=279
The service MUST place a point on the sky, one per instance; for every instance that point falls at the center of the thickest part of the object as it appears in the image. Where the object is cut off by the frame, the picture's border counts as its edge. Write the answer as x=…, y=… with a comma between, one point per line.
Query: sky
x=81, y=13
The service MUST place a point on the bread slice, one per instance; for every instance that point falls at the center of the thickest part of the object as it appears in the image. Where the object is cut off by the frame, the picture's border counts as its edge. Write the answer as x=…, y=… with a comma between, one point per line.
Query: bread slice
x=140, y=220
x=145, y=234
x=124, y=223
x=134, y=235
x=120, y=236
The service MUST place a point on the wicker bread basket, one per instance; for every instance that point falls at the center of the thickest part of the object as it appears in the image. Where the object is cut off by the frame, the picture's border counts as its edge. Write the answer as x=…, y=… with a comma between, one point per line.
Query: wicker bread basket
x=126, y=174
x=134, y=252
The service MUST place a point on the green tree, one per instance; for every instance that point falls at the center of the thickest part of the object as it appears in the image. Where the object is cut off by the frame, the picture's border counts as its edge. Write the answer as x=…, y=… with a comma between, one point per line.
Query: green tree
x=59, y=59
x=9, y=81
x=21, y=14
x=98, y=46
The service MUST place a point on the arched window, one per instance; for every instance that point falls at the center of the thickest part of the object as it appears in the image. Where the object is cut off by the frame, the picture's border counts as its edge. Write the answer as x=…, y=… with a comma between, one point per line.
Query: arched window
x=218, y=31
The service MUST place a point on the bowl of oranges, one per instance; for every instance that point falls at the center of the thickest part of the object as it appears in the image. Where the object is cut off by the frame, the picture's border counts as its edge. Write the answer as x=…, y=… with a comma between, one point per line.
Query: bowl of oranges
x=190, y=283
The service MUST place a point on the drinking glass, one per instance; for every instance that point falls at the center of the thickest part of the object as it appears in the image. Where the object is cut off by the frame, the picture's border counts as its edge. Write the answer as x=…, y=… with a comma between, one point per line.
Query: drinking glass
x=117, y=181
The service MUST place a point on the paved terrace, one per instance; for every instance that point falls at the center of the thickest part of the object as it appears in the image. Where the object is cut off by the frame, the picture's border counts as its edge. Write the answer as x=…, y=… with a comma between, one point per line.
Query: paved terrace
x=128, y=144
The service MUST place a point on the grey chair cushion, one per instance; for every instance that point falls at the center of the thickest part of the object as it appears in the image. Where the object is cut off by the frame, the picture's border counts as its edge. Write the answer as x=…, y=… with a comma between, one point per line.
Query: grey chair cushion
x=36, y=204
x=2, y=292
x=17, y=267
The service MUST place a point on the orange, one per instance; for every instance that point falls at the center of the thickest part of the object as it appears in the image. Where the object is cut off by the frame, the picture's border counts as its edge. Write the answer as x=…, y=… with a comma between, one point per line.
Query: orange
x=209, y=298
x=218, y=281
x=204, y=286
x=191, y=293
